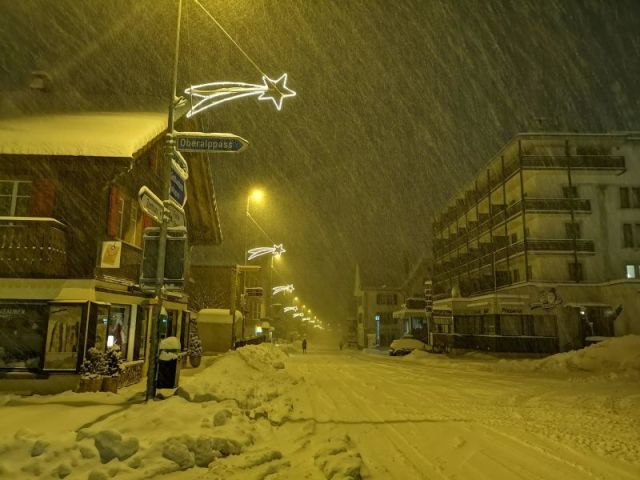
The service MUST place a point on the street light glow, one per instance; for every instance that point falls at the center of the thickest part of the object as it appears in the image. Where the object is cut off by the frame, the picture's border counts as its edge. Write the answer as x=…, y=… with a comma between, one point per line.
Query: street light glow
x=256, y=195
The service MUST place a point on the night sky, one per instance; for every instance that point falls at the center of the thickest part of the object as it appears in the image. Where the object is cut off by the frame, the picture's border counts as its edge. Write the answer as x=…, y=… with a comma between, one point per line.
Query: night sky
x=398, y=105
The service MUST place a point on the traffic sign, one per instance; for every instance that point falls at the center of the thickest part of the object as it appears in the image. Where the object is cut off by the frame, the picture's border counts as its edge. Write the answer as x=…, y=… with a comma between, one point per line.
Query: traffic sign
x=210, y=142
x=150, y=204
x=179, y=164
x=178, y=188
x=175, y=216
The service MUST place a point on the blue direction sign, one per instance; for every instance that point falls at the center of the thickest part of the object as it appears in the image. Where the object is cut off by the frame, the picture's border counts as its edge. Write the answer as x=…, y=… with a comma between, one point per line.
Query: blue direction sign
x=178, y=189
x=210, y=142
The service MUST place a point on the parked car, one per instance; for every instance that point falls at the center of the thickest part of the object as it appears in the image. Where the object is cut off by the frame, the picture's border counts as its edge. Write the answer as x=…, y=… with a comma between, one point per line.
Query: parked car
x=405, y=345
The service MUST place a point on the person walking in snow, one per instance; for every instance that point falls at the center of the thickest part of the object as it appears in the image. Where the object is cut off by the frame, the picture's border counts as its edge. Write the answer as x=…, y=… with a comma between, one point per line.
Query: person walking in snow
x=304, y=345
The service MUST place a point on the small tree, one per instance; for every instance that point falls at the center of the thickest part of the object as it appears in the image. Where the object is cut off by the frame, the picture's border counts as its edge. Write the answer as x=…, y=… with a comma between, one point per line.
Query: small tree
x=93, y=365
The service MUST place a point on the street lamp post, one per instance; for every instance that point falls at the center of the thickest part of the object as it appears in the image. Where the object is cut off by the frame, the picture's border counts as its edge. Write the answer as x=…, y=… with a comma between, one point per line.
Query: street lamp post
x=170, y=149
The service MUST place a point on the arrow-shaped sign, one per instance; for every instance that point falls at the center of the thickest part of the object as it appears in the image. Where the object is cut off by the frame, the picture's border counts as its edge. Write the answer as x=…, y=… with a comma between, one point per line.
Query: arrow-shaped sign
x=210, y=142
x=151, y=204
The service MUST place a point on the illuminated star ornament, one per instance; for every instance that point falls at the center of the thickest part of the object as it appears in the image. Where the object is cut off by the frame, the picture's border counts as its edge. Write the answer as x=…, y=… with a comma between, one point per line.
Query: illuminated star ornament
x=290, y=309
x=298, y=315
x=283, y=288
x=209, y=95
x=276, y=251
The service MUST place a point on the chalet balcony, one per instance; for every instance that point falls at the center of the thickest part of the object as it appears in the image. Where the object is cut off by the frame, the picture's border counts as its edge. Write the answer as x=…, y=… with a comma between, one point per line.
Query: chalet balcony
x=615, y=163
x=32, y=247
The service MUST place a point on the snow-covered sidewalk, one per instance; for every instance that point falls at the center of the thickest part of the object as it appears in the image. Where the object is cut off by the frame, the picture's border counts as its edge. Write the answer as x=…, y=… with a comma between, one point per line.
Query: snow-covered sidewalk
x=262, y=413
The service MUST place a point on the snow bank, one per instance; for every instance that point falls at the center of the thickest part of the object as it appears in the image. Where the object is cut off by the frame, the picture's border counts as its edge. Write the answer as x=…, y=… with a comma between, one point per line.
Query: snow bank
x=251, y=376
x=617, y=356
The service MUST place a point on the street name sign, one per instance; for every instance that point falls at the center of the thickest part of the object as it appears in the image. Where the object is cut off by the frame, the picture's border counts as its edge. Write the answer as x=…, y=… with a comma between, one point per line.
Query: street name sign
x=175, y=216
x=150, y=204
x=210, y=142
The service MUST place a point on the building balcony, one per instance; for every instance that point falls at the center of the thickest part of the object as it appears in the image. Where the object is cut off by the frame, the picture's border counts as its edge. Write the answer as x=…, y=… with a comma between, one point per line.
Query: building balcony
x=560, y=245
x=613, y=163
x=32, y=247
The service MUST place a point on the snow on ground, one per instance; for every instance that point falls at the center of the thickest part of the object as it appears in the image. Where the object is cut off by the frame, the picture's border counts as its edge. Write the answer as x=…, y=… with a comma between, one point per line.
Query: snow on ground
x=264, y=413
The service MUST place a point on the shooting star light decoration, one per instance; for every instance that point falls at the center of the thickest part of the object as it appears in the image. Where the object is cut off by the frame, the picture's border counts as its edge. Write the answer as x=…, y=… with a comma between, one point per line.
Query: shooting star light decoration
x=291, y=309
x=276, y=251
x=295, y=315
x=282, y=288
x=209, y=95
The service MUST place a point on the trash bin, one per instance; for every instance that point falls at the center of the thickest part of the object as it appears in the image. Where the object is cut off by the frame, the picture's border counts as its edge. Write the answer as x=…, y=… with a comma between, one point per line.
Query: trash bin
x=168, y=364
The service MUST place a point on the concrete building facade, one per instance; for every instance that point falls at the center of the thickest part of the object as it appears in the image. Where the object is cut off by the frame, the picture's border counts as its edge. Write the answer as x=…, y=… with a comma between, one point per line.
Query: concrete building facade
x=544, y=242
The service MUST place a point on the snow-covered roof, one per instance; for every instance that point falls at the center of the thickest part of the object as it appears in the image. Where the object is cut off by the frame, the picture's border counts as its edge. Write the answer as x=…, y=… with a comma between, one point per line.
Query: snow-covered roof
x=101, y=134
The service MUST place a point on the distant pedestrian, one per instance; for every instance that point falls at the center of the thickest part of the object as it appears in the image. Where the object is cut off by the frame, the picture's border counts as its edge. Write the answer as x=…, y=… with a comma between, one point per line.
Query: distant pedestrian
x=304, y=345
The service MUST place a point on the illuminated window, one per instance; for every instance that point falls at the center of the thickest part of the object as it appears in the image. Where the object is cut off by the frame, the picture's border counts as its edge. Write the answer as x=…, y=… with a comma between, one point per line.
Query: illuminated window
x=631, y=271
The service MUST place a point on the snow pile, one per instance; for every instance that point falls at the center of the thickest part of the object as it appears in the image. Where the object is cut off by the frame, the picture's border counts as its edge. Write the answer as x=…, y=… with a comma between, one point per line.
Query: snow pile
x=619, y=355
x=251, y=376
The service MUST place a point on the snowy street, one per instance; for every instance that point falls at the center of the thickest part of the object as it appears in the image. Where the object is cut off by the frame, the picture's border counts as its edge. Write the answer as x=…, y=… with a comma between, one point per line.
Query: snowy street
x=453, y=419
x=266, y=412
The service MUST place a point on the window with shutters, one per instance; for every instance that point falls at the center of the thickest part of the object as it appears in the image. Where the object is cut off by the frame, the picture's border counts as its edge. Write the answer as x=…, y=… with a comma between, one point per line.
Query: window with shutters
x=125, y=220
x=15, y=198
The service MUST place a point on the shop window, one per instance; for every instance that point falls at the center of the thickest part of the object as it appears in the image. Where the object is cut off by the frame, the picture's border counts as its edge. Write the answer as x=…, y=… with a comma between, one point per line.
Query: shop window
x=140, y=344
x=511, y=325
x=118, y=329
x=101, y=326
x=22, y=334
x=624, y=197
x=63, y=332
x=627, y=235
x=15, y=198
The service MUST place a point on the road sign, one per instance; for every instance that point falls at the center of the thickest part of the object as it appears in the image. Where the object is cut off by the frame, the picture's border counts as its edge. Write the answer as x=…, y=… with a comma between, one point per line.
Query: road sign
x=210, y=142
x=253, y=291
x=179, y=164
x=175, y=216
x=178, y=189
x=150, y=204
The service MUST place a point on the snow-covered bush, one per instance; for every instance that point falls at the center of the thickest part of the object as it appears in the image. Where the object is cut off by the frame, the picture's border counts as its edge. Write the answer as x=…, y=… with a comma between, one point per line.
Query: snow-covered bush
x=195, y=345
x=93, y=365
x=112, y=361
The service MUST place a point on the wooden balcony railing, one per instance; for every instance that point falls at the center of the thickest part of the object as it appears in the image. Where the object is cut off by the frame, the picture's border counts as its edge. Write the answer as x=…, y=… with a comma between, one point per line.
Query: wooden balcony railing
x=32, y=247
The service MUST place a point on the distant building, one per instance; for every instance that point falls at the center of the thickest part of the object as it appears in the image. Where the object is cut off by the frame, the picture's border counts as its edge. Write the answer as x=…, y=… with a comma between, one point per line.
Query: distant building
x=415, y=313
x=543, y=244
x=71, y=236
x=375, y=304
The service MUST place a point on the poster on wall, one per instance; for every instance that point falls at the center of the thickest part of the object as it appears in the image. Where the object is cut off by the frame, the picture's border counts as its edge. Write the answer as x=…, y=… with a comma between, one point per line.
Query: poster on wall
x=110, y=257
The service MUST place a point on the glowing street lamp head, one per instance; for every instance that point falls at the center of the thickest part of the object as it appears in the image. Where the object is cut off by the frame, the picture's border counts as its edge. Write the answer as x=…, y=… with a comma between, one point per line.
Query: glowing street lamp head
x=256, y=195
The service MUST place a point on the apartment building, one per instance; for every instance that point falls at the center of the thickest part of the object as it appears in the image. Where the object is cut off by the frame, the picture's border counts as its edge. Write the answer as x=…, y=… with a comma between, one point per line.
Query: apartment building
x=544, y=242
x=375, y=304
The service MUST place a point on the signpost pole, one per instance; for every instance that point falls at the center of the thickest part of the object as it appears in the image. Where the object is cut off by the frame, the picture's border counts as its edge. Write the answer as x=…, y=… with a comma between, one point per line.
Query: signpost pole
x=162, y=242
